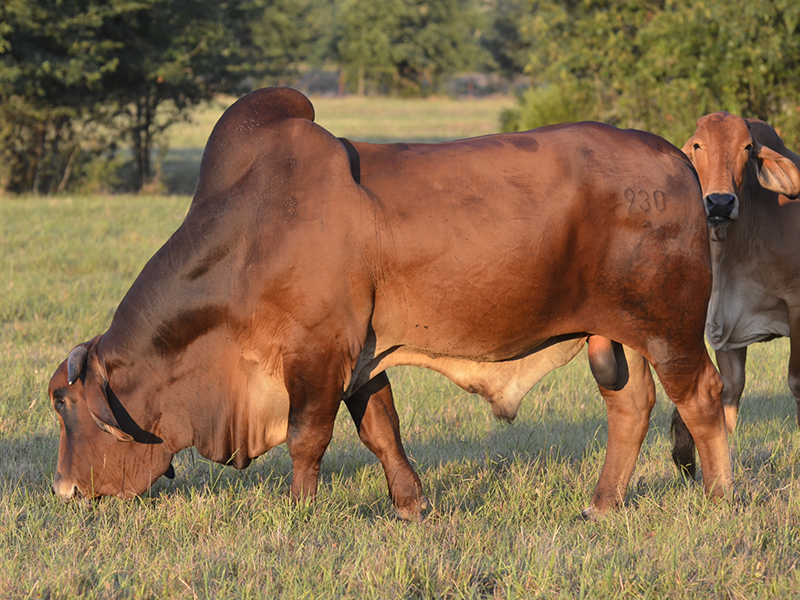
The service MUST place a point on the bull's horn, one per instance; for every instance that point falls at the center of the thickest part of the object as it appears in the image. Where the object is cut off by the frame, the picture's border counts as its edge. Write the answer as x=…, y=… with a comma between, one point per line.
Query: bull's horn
x=75, y=363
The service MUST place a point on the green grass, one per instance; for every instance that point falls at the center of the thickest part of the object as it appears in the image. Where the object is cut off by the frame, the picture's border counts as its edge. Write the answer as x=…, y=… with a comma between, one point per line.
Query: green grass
x=504, y=497
x=366, y=119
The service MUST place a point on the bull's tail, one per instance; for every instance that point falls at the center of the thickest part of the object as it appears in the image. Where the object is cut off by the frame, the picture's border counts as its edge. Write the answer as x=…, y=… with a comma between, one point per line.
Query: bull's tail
x=683, y=446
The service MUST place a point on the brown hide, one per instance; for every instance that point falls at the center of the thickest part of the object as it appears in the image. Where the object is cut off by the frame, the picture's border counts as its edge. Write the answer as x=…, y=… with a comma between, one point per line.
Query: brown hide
x=756, y=254
x=290, y=287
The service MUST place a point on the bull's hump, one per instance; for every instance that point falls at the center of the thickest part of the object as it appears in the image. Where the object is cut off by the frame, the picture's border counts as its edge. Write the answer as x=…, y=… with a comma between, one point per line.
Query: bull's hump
x=265, y=106
x=248, y=127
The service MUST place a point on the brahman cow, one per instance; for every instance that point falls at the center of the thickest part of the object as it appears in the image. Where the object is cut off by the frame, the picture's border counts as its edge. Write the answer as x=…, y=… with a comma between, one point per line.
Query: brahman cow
x=747, y=174
x=307, y=265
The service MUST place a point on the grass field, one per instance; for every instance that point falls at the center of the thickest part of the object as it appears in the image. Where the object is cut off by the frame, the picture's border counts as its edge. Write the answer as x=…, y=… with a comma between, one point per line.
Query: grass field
x=504, y=497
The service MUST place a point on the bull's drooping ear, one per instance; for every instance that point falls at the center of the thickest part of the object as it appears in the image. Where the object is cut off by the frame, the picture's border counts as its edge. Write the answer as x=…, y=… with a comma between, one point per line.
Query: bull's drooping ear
x=75, y=363
x=776, y=172
x=97, y=400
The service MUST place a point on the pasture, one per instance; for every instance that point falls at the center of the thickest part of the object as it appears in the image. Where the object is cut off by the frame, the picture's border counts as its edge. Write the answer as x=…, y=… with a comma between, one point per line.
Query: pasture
x=504, y=497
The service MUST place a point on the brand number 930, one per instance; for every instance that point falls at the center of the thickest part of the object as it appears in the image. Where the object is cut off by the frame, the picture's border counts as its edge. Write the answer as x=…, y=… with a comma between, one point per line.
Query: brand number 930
x=646, y=201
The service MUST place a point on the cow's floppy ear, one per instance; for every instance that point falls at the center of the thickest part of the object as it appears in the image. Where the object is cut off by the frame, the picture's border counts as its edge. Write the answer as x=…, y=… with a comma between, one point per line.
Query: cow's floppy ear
x=688, y=148
x=776, y=172
x=97, y=400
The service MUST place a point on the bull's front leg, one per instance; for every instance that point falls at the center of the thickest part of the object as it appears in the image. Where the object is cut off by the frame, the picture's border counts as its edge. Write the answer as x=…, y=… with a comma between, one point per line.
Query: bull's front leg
x=628, y=410
x=373, y=411
x=312, y=414
x=732, y=370
x=794, y=357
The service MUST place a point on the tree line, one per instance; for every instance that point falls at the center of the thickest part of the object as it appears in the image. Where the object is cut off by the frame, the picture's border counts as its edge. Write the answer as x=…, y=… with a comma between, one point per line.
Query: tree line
x=82, y=79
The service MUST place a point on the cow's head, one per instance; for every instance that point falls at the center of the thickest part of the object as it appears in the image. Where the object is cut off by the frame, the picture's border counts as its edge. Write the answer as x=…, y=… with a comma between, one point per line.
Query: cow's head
x=102, y=450
x=728, y=159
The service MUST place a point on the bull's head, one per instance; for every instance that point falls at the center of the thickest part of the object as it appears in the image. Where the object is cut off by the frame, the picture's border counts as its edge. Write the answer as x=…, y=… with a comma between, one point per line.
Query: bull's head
x=728, y=158
x=102, y=450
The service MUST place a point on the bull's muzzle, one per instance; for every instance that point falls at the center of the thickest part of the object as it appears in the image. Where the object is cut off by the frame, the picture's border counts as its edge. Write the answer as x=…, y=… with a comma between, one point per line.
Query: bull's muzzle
x=63, y=489
x=721, y=209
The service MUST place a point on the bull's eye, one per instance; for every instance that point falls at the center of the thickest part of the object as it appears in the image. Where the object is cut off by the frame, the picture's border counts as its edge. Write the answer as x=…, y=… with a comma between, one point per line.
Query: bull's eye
x=748, y=148
x=58, y=401
x=697, y=146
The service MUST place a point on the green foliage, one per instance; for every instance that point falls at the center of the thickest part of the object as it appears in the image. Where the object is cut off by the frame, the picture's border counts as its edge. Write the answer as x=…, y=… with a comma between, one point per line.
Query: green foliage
x=538, y=107
x=504, y=38
x=81, y=79
x=660, y=65
x=77, y=79
x=407, y=46
x=50, y=86
x=740, y=56
x=170, y=55
x=288, y=35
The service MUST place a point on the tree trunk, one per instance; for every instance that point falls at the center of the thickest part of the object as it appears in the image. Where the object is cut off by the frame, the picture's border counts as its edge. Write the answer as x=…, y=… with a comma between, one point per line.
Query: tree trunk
x=68, y=170
x=136, y=143
x=141, y=138
x=32, y=176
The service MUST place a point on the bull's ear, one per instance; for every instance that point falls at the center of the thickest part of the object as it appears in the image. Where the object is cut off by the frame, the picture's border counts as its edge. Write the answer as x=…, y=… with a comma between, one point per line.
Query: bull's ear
x=97, y=400
x=776, y=172
x=688, y=148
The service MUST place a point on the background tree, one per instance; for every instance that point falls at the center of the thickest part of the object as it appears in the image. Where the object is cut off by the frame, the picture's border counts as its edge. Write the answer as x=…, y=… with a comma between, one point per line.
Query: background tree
x=51, y=70
x=77, y=77
x=661, y=64
x=408, y=46
x=505, y=37
x=588, y=48
x=170, y=55
x=740, y=56
x=290, y=36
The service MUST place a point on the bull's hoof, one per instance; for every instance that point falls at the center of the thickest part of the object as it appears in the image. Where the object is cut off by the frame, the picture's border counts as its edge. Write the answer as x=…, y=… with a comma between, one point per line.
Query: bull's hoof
x=592, y=513
x=413, y=511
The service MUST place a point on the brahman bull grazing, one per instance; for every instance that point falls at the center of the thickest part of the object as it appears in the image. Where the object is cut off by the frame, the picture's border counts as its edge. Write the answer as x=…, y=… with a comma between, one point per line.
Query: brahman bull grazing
x=747, y=174
x=307, y=265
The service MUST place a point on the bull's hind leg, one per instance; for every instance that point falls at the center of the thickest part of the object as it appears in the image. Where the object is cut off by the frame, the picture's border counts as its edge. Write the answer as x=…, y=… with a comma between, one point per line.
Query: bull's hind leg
x=628, y=411
x=373, y=411
x=697, y=394
x=732, y=370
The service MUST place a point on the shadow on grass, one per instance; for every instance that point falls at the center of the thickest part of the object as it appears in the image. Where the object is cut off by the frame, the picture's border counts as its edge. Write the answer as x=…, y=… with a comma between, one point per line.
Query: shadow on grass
x=444, y=463
x=522, y=452
x=28, y=463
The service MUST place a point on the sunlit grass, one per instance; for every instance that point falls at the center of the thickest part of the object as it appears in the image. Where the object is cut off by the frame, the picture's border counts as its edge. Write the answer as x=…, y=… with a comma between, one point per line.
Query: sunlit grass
x=504, y=497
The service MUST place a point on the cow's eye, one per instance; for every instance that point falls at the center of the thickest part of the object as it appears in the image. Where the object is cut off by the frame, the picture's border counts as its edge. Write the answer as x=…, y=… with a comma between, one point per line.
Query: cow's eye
x=58, y=401
x=697, y=146
x=748, y=148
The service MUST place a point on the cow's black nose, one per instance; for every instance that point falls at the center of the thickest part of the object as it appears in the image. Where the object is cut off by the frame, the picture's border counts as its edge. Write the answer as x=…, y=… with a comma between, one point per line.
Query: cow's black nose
x=719, y=208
